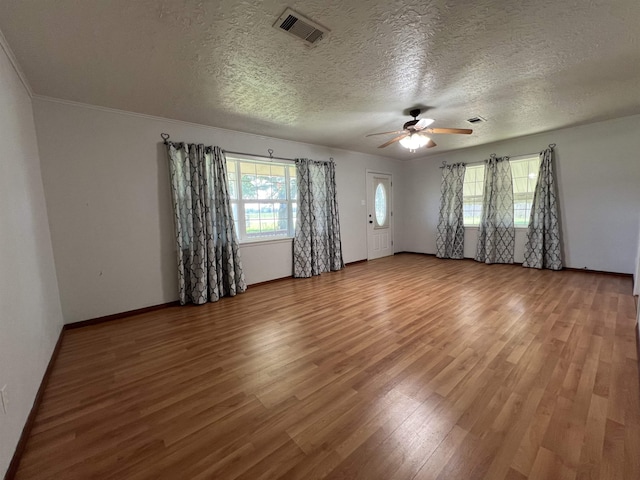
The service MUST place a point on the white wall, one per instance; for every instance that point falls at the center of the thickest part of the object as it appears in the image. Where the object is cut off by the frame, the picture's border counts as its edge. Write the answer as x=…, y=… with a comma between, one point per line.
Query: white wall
x=107, y=187
x=30, y=315
x=597, y=167
x=636, y=276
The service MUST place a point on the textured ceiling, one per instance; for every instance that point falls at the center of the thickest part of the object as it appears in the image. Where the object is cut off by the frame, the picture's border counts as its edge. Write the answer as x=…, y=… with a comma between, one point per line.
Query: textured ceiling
x=526, y=66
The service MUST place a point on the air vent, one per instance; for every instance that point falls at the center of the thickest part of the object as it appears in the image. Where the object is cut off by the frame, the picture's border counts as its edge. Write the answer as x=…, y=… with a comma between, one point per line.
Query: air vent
x=477, y=119
x=300, y=27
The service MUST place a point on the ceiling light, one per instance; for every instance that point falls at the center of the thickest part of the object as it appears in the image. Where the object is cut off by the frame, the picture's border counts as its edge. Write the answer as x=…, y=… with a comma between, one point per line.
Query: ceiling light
x=414, y=141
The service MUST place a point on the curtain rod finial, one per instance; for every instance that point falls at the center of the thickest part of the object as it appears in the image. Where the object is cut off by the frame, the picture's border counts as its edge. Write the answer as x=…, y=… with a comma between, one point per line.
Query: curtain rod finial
x=270, y=150
x=165, y=137
x=552, y=145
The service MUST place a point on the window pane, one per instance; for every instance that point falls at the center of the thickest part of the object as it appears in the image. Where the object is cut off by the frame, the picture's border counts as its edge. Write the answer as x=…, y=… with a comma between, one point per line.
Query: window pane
x=252, y=218
x=470, y=175
x=263, y=169
x=278, y=188
x=233, y=193
x=468, y=188
x=294, y=216
x=248, y=168
x=519, y=169
x=520, y=184
x=380, y=205
x=263, y=187
x=234, y=209
x=249, y=190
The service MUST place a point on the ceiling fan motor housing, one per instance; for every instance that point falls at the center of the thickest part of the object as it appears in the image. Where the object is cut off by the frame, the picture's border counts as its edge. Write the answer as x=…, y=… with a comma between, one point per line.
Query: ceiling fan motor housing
x=414, y=113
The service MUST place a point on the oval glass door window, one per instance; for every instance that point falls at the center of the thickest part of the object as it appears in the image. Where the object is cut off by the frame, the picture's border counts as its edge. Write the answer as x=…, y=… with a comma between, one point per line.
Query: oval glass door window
x=380, y=204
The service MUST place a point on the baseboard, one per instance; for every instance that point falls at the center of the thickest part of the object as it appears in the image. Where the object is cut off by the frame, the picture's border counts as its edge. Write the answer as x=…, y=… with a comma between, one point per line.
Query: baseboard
x=26, y=430
x=638, y=342
x=280, y=279
x=356, y=262
x=571, y=269
x=616, y=274
x=266, y=282
x=118, y=316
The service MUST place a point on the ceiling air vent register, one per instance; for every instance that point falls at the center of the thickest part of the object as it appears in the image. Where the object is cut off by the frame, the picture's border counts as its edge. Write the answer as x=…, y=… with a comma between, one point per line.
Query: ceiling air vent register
x=300, y=27
x=477, y=119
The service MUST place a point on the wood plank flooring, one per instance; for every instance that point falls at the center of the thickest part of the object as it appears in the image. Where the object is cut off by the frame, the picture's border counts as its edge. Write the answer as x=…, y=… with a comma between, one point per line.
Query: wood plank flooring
x=407, y=367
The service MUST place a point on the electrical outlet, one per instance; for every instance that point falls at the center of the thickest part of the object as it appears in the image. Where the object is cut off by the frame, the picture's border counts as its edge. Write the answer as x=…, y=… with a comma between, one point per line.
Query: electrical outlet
x=4, y=399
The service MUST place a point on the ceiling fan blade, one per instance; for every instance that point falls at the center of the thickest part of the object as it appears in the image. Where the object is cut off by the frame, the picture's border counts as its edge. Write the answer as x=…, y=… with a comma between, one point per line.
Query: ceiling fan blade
x=465, y=131
x=423, y=123
x=430, y=144
x=386, y=133
x=393, y=140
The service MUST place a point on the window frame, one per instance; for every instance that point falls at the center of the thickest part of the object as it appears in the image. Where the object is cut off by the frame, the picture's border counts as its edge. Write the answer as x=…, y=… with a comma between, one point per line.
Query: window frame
x=238, y=202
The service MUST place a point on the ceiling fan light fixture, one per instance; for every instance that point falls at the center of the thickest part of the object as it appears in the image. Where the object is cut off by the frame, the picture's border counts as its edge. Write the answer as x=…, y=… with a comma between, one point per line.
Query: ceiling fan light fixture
x=414, y=141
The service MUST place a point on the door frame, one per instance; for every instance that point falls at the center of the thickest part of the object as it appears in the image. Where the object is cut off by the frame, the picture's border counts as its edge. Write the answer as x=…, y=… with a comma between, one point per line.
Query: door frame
x=370, y=207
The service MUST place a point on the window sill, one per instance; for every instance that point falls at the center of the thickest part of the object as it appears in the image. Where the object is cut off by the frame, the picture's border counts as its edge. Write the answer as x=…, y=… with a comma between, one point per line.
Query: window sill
x=272, y=241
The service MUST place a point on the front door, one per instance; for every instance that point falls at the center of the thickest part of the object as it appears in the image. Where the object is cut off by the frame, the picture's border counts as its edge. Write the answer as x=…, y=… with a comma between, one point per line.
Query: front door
x=379, y=215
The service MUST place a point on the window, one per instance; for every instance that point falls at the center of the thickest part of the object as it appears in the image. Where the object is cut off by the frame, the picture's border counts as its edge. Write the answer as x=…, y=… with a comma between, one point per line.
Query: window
x=524, y=173
x=472, y=194
x=525, y=176
x=380, y=205
x=263, y=198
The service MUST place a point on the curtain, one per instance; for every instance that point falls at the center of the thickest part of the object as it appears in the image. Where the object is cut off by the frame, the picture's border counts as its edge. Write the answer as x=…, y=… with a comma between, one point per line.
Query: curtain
x=497, y=234
x=209, y=265
x=316, y=246
x=543, y=246
x=450, y=236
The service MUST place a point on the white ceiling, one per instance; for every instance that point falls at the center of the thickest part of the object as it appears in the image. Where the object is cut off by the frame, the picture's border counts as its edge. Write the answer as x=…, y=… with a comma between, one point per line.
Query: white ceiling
x=526, y=66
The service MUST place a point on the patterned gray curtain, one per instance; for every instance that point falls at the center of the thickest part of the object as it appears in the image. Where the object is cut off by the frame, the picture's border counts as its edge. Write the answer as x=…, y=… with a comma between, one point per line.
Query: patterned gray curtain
x=316, y=246
x=209, y=265
x=543, y=247
x=450, y=236
x=497, y=234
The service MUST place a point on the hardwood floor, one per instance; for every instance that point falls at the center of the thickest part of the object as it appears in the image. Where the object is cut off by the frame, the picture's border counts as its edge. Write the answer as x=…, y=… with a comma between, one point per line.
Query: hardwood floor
x=407, y=367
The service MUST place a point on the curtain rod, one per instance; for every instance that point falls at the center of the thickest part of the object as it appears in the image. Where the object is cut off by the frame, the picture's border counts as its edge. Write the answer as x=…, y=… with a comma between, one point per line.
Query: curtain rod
x=524, y=155
x=270, y=157
x=551, y=146
x=165, y=137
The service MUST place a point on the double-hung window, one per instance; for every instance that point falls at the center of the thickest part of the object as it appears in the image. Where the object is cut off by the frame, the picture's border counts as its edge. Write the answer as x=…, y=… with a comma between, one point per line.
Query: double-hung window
x=263, y=198
x=524, y=173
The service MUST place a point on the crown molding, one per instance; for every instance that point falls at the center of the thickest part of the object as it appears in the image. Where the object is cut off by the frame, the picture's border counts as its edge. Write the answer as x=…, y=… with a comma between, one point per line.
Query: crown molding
x=14, y=63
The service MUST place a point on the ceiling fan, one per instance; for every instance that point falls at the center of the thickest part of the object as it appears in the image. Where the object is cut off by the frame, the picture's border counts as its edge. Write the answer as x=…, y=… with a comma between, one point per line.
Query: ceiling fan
x=414, y=133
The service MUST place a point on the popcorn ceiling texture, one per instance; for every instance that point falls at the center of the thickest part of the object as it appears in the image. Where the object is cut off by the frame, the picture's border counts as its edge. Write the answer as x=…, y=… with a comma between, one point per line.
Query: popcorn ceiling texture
x=526, y=66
